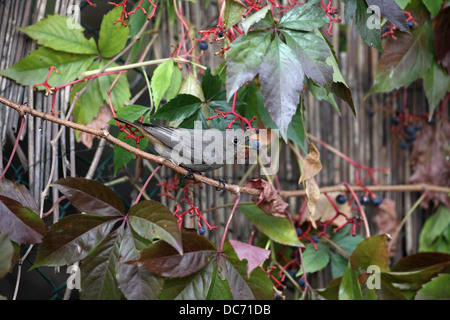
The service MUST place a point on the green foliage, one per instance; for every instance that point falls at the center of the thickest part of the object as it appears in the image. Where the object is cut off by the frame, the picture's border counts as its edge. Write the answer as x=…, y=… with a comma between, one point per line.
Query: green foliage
x=435, y=234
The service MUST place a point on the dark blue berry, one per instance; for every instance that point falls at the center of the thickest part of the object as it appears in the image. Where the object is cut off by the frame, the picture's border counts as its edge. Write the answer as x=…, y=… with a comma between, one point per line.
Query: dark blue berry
x=377, y=201
x=292, y=273
x=371, y=113
x=417, y=127
x=315, y=238
x=412, y=137
x=394, y=120
x=203, y=45
x=410, y=130
x=411, y=24
x=404, y=145
x=201, y=231
x=299, y=231
x=220, y=34
x=341, y=199
x=301, y=282
x=357, y=219
x=364, y=200
x=431, y=121
x=399, y=111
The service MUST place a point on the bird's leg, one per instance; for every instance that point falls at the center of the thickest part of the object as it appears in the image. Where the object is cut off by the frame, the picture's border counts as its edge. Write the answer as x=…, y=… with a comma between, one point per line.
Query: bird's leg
x=222, y=183
x=189, y=175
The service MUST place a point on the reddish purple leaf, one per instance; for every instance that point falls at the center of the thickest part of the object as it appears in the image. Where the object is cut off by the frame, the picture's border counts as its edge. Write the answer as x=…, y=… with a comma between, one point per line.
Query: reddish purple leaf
x=18, y=192
x=91, y=196
x=162, y=259
x=21, y=223
x=441, y=28
x=254, y=255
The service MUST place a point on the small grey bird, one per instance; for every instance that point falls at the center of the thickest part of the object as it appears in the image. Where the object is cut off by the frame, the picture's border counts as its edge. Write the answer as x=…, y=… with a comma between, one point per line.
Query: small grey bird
x=195, y=149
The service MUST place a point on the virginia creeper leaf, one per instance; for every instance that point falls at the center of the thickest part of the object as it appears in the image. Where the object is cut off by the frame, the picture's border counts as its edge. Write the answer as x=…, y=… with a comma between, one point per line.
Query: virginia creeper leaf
x=371, y=251
x=98, y=270
x=33, y=69
x=244, y=59
x=305, y=17
x=234, y=9
x=6, y=255
x=61, y=34
x=152, y=220
x=281, y=78
x=19, y=222
x=403, y=61
x=18, y=192
x=135, y=283
x=350, y=289
x=179, y=108
x=108, y=31
x=312, y=51
x=278, y=229
x=441, y=32
x=175, y=83
x=254, y=255
x=260, y=19
x=162, y=259
x=211, y=85
x=257, y=286
x=161, y=79
x=420, y=260
x=192, y=287
x=368, y=25
x=121, y=156
x=91, y=196
x=436, y=289
x=436, y=83
x=434, y=6
x=268, y=200
x=392, y=12
x=72, y=238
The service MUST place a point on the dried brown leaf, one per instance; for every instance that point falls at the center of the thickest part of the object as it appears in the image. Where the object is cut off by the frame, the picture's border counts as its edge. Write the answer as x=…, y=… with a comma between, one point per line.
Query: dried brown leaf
x=324, y=210
x=99, y=122
x=313, y=194
x=386, y=220
x=429, y=161
x=311, y=164
x=269, y=201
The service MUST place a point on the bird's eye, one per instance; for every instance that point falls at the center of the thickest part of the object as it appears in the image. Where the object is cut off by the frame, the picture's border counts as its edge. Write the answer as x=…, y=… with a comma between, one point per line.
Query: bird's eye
x=235, y=140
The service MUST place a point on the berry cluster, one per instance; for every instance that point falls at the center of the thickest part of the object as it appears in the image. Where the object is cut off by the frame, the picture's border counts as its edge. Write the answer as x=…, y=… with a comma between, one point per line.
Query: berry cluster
x=390, y=28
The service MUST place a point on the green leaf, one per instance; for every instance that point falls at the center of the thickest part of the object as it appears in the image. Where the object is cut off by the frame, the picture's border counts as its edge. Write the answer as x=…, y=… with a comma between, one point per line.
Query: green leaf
x=22, y=224
x=136, y=283
x=314, y=260
x=436, y=83
x=312, y=52
x=130, y=112
x=192, y=287
x=161, y=79
x=321, y=93
x=6, y=255
x=112, y=37
x=162, y=259
x=259, y=20
x=179, y=108
x=99, y=268
x=278, y=229
x=33, y=69
x=211, y=85
x=404, y=60
x=436, y=289
x=61, y=34
x=304, y=17
x=219, y=289
x=152, y=220
x=257, y=286
x=175, y=84
x=369, y=32
x=72, y=238
x=281, y=77
x=244, y=59
x=234, y=9
x=18, y=192
x=371, y=251
x=89, y=103
x=121, y=156
x=434, y=228
x=91, y=196
x=350, y=289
